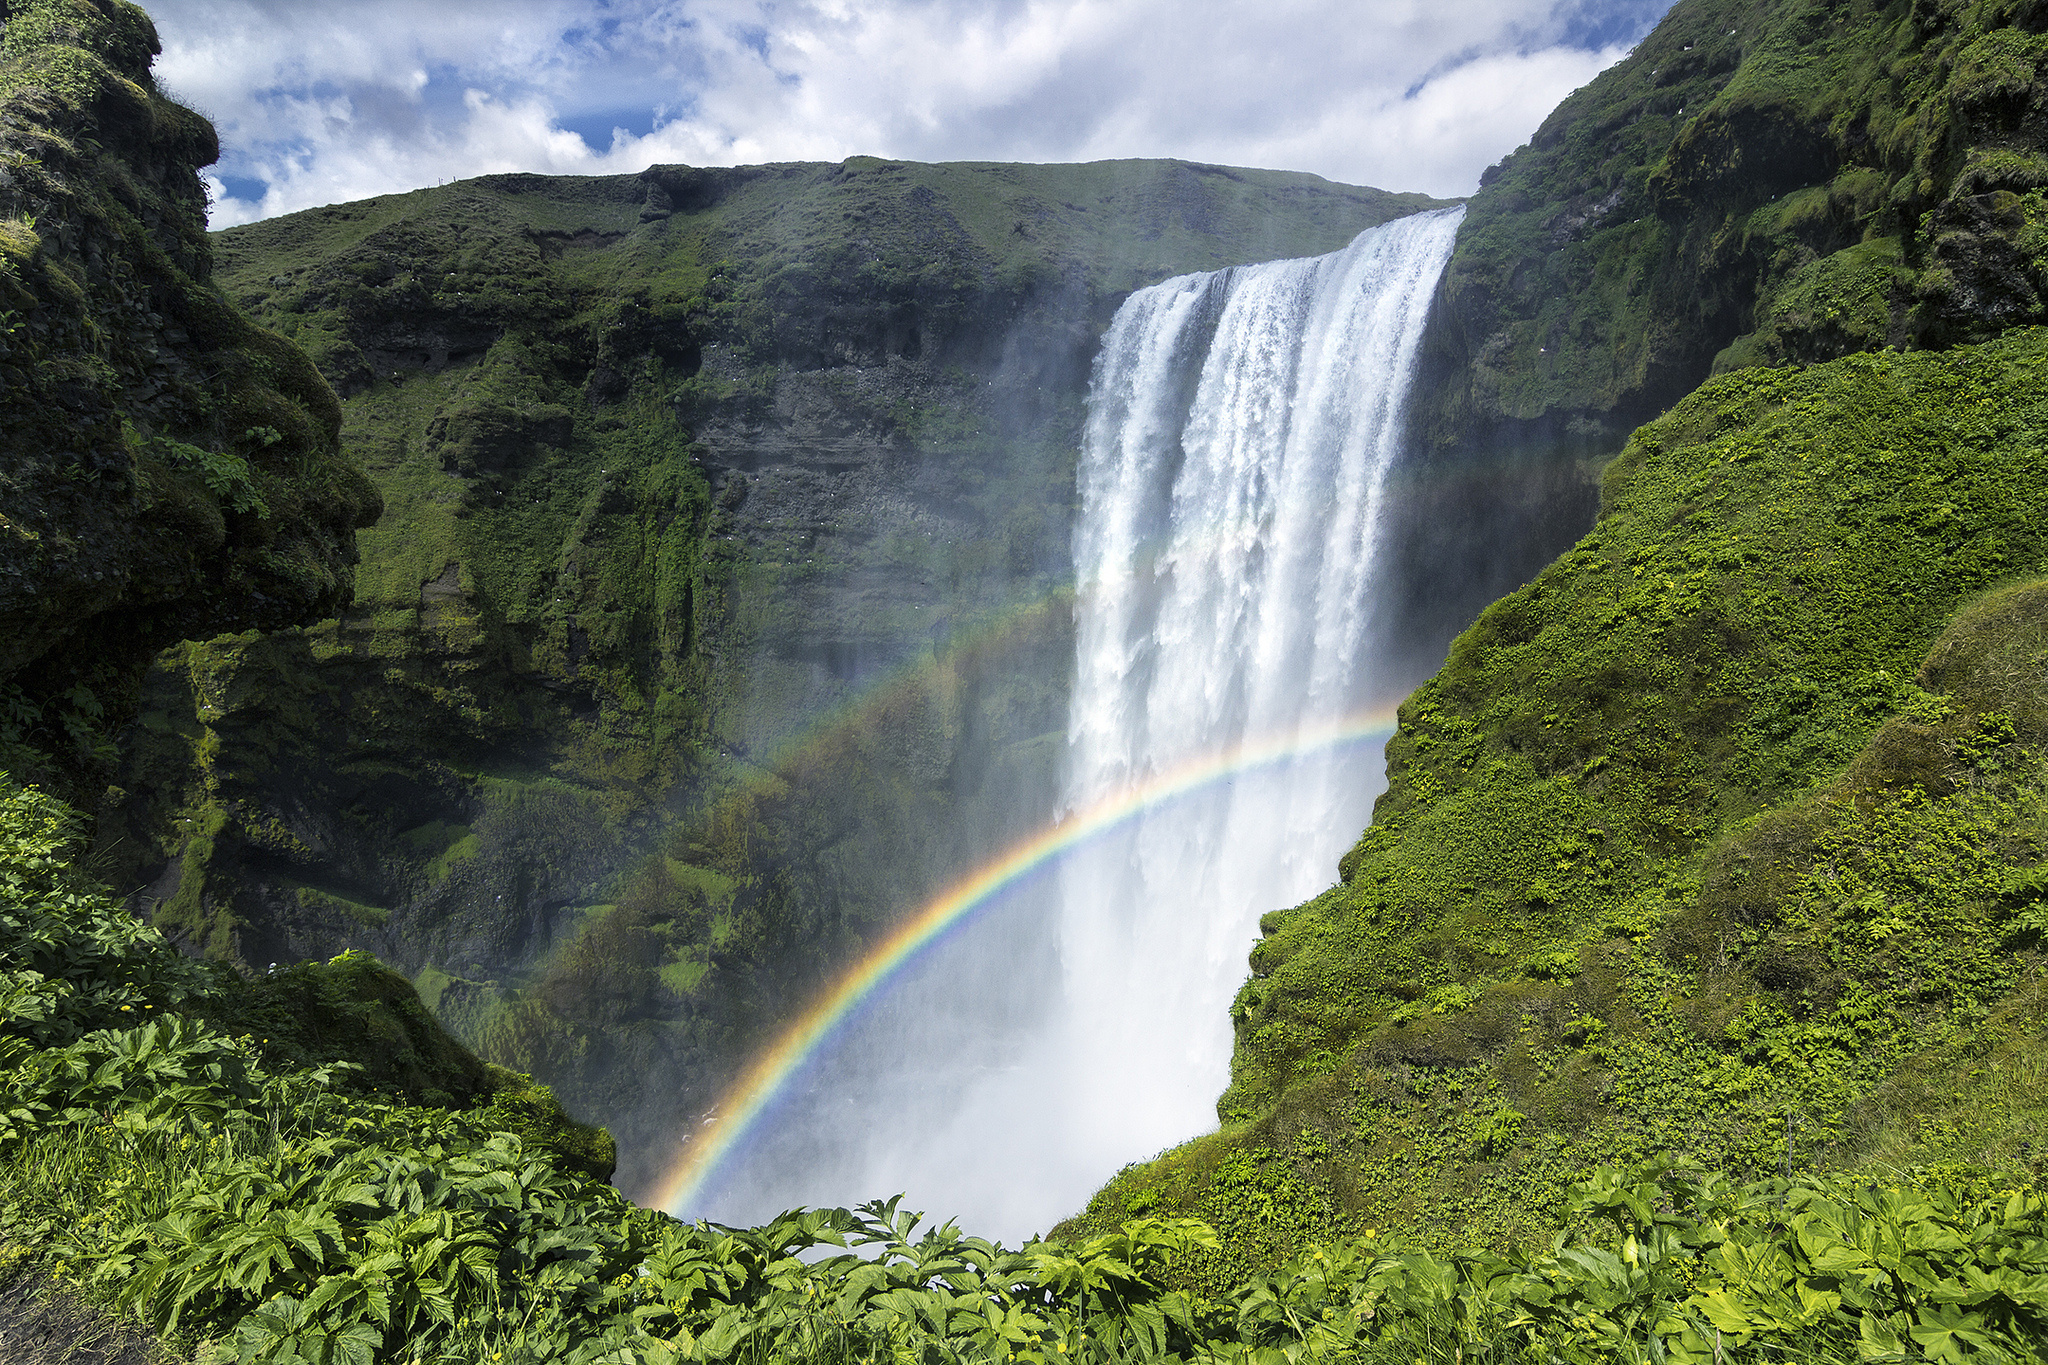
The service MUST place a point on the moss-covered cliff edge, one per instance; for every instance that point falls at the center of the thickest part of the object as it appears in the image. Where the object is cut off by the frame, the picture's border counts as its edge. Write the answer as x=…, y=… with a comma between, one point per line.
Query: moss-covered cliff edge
x=167, y=470
x=171, y=470
x=1759, y=182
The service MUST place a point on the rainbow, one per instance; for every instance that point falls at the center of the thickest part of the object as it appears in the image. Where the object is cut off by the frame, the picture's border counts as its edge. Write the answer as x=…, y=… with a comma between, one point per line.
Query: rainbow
x=751, y=1094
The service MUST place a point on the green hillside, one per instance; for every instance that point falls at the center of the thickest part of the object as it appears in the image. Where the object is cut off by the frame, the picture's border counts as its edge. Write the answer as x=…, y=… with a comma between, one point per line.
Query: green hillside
x=1758, y=182
x=1721, y=834
x=1683, y=1003
x=182, y=1179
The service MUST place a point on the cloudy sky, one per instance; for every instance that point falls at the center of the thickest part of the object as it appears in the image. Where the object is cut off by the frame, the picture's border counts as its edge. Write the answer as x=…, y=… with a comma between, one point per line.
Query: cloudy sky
x=321, y=101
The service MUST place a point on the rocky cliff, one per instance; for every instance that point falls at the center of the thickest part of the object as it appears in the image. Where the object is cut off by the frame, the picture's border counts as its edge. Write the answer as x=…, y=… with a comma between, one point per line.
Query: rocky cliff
x=1757, y=183
x=170, y=469
x=720, y=606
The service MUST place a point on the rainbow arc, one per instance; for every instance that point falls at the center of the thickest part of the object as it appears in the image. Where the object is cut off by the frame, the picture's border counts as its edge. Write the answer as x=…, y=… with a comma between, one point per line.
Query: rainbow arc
x=732, y=1119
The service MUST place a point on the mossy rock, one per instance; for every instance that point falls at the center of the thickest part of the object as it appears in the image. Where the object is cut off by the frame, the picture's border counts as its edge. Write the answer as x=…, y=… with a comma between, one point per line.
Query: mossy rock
x=171, y=469
x=1676, y=206
x=521, y=1105
x=355, y=1009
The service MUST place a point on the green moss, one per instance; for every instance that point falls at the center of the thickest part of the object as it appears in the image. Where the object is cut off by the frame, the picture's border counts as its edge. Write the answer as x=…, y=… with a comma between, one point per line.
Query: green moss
x=369, y=916
x=1836, y=305
x=1996, y=67
x=442, y=845
x=352, y=1008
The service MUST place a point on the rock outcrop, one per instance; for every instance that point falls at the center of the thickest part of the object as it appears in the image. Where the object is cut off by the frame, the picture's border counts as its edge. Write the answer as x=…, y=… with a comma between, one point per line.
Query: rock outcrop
x=167, y=469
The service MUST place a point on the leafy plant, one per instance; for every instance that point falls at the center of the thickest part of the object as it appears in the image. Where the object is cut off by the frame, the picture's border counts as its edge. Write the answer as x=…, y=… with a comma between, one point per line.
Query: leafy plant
x=226, y=474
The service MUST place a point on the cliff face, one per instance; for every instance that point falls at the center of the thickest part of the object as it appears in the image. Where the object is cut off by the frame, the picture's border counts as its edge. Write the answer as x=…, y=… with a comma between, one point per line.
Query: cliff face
x=1760, y=182
x=170, y=469
x=720, y=604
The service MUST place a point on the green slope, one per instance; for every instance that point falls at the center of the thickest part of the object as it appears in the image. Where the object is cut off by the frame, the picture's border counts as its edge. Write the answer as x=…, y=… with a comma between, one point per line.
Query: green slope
x=1693, y=844
x=174, y=1177
x=1759, y=181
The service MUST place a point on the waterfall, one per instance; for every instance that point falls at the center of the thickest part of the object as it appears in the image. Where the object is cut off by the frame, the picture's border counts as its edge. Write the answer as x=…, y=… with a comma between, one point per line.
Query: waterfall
x=1233, y=484
x=1233, y=477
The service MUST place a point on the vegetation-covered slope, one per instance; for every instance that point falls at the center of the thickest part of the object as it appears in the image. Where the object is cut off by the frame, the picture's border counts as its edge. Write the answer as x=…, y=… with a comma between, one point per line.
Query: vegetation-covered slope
x=1725, y=835
x=1758, y=181
x=169, y=469
x=719, y=604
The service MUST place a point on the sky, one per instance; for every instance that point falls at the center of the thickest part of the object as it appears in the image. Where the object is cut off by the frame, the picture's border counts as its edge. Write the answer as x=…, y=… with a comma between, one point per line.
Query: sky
x=324, y=101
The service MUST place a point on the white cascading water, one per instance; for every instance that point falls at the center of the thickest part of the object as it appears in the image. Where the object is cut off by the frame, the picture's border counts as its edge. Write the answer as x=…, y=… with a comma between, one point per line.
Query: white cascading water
x=1242, y=426
x=1228, y=543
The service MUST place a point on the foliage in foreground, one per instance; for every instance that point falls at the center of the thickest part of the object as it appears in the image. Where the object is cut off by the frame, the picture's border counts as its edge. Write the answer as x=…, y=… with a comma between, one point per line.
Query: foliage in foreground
x=270, y=1213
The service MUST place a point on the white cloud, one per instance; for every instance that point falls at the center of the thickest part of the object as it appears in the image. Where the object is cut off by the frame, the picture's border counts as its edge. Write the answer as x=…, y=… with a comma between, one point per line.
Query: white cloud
x=322, y=103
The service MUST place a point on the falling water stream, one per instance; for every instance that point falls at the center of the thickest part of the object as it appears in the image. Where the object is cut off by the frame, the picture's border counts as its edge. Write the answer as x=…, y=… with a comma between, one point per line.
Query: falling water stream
x=1233, y=481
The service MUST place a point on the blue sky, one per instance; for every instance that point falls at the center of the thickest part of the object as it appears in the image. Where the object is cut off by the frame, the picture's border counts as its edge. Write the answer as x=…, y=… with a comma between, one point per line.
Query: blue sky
x=324, y=102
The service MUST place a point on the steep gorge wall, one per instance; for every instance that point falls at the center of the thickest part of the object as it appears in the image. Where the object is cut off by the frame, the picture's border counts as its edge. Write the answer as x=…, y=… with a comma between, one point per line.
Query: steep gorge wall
x=171, y=470
x=720, y=606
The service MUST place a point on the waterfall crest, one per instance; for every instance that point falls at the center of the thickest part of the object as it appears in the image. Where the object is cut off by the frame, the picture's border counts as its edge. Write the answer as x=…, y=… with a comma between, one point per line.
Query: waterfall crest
x=1242, y=426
